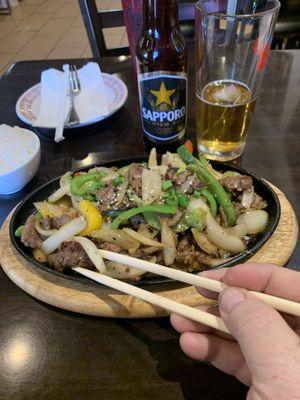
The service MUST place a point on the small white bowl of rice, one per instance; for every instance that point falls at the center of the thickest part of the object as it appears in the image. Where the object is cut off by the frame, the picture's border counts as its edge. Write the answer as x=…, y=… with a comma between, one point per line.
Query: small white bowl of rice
x=20, y=156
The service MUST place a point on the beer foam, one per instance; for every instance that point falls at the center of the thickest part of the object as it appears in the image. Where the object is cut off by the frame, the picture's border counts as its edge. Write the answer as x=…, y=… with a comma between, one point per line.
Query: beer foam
x=226, y=93
x=230, y=93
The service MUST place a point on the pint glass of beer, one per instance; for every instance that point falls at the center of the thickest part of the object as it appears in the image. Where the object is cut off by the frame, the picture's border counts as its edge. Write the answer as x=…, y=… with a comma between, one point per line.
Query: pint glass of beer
x=233, y=40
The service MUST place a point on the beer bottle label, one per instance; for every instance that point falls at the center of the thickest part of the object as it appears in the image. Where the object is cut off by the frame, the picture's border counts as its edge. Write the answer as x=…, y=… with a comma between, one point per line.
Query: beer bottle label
x=163, y=97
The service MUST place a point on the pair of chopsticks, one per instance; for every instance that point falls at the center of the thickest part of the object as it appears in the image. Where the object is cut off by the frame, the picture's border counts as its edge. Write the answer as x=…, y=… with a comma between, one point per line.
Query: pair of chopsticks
x=280, y=304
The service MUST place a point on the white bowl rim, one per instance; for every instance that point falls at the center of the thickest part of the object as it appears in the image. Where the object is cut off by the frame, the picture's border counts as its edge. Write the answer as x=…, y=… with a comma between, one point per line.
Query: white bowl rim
x=36, y=152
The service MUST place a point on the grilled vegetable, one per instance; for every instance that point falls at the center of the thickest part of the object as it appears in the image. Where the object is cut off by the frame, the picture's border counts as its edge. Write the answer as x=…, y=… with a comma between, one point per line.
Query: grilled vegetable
x=92, y=216
x=81, y=184
x=211, y=201
x=19, y=230
x=156, y=208
x=218, y=191
x=196, y=219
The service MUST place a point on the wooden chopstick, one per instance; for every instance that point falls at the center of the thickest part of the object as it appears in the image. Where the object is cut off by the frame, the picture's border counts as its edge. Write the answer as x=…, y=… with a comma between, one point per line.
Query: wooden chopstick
x=170, y=305
x=280, y=304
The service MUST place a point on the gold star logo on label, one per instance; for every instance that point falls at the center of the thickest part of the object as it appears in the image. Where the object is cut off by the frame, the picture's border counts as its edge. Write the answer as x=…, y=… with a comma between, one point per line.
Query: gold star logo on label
x=163, y=95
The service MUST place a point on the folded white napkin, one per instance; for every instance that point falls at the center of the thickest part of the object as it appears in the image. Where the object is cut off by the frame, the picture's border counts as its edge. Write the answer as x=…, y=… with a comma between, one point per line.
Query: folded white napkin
x=91, y=102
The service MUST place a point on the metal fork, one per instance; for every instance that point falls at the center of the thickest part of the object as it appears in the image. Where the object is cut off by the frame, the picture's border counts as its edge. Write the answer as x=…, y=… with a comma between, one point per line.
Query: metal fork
x=74, y=89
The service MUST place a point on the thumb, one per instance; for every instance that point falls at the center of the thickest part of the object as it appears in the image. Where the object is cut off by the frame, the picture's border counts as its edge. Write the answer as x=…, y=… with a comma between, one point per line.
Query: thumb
x=264, y=337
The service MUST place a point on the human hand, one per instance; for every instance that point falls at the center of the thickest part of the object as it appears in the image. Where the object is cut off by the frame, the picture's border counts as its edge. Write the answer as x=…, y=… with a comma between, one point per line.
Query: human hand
x=266, y=353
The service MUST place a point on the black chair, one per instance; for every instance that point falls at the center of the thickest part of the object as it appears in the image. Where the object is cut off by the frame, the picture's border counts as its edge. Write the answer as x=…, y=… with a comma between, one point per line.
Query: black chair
x=6, y=9
x=287, y=31
x=95, y=21
x=286, y=36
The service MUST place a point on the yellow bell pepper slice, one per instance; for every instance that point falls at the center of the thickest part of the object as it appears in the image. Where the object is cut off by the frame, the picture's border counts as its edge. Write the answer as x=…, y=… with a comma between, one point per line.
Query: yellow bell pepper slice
x=92, y=216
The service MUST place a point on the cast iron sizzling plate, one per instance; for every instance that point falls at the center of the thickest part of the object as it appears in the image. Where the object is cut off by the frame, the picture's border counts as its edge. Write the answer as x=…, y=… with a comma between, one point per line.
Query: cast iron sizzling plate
x=26, y=208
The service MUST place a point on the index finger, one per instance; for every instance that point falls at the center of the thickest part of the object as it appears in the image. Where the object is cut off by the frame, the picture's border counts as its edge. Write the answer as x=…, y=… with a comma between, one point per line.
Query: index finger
x=267, y=278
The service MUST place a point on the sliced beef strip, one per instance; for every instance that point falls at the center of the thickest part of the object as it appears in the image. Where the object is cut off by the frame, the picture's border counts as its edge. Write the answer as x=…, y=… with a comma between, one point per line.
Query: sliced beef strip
x=107, y=199
x=237, y=183
x=48, y=223
x=191, y=184
x=178, y=179
x=174, y=220
x=188, y=258
x=150, y=250
x=171, y=173
x=135, y=173
x=30, y=237
x=136, y=221
x=69, y=254
x=143, y=254
x=238, y=208
x=258, y=202
x=58, y=222
x=186, y=180
x=111, y=247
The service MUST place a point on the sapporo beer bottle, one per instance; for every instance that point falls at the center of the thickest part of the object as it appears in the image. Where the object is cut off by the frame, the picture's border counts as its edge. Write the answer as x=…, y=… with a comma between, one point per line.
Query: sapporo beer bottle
x=161, y=58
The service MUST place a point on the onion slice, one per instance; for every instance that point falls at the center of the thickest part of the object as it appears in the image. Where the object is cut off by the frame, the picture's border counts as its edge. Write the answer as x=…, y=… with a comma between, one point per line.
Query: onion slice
x=160, y=169
x=152, y=161
x=151, y=186
x=66, y=232
x=143, y=239
x=61, y=192
x=39, y=255
x=172, y=160
x=168, y=237
x=255, y=220
x=144, y=230
x=247, y=198
x=92, y=251
x=239, y=230
x=204, y=243
x=219, y=261
x=45, y=208
x=65, y=179
x=118, y=237
x=109, y=177
x=215, y=233
x=122, y=271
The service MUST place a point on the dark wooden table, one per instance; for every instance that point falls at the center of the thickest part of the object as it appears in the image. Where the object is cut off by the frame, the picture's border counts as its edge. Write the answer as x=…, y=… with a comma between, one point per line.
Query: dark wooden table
x=46, y=353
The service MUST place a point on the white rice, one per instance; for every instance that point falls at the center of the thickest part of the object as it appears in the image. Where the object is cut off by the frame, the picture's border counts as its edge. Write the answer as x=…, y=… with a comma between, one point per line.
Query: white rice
x=16, y=147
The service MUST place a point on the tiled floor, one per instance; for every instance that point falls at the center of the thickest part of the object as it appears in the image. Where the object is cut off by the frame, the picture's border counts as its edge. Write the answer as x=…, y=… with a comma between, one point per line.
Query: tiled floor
x=49, y=29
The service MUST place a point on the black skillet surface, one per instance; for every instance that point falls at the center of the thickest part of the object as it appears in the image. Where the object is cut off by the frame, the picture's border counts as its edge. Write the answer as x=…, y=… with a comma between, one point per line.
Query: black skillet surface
x=26, y=208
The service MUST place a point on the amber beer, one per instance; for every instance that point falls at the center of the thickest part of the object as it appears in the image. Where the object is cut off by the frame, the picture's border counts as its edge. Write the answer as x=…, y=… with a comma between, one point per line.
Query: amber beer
x=233, y=41
x=223, y=112
x=161, y=57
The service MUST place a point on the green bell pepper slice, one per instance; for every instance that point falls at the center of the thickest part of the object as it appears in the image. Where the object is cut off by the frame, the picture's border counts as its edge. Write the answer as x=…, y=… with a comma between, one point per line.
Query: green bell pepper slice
x=81, y=184
x=152, y=220
x=211, y=201
x=19, y=230
x=156, y=208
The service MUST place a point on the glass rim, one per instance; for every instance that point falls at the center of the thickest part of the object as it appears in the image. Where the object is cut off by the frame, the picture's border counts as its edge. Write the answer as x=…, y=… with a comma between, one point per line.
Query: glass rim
x=276, y=7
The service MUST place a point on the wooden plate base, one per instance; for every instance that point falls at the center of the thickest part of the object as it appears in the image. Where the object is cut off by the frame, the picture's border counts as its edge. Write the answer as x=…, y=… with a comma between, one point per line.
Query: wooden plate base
x=90, y=300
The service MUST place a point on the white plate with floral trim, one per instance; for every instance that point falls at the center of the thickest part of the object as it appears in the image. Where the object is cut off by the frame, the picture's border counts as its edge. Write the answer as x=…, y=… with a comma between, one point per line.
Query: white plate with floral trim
x=28, y=104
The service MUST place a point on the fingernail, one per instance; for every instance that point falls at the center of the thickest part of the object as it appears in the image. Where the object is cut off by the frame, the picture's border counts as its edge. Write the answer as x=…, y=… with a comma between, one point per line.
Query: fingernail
x=230, y=298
